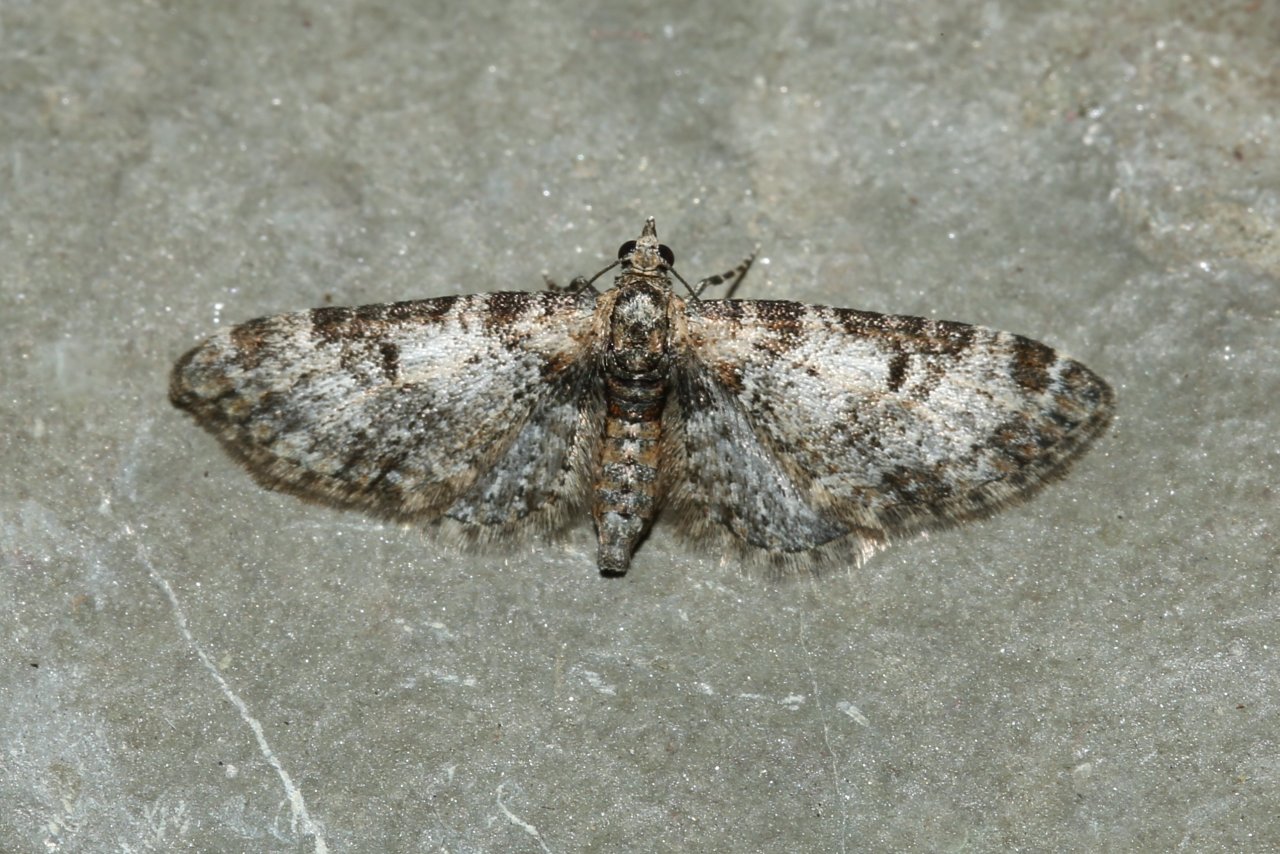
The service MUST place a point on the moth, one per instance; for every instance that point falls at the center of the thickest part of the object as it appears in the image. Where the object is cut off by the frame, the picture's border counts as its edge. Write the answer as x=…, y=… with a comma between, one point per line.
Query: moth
x=769, y=430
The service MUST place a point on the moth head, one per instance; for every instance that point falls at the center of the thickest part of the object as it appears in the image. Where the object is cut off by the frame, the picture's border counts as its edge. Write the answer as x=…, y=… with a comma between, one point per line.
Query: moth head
x=646, y=255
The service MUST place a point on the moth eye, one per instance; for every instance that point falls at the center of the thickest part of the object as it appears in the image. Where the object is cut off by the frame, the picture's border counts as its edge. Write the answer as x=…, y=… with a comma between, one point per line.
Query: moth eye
x=667, y=255
x=626, y=249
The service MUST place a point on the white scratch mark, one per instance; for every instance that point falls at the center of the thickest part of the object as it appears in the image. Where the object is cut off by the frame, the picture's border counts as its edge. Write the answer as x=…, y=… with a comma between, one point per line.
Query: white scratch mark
x=519, y=822
x=792, y=701
x=853, y=711
x=453, y=678
x=826, y=740
x=596, y=681
x=441, y=631
x=300, y=816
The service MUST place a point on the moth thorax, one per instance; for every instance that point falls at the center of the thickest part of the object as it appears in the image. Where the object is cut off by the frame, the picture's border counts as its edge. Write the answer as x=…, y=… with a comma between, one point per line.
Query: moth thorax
x=638, y=331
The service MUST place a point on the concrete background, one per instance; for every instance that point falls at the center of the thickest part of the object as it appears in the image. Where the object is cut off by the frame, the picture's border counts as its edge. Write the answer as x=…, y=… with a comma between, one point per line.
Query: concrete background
x=192, y=663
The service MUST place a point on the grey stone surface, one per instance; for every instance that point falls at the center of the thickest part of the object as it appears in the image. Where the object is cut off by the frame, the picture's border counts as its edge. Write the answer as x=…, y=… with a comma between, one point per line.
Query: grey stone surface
x=191, y=663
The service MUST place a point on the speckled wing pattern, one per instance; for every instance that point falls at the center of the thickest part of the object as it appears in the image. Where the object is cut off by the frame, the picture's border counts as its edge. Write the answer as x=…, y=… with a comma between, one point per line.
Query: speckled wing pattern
x=807, y=427
x=468, y=407
x=782, y=433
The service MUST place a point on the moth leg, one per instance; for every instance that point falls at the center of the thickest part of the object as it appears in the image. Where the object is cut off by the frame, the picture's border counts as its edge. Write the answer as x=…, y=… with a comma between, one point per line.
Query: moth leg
x=737, y=274
x=578, y=284
x=572, y=287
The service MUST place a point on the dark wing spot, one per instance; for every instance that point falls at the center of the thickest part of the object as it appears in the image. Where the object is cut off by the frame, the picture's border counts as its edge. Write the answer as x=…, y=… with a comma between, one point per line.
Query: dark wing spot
x=503, y=309
x=906, y=325
x=729, y=375
x=1030, y=363
x=915, y=487
x=1016, y=443
x=951, y=339
x=390, y=361
x=861, y=324
x=779, y=314
x=420, y=310
x=250, y=340
x=330, y=325
x=898, y=370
